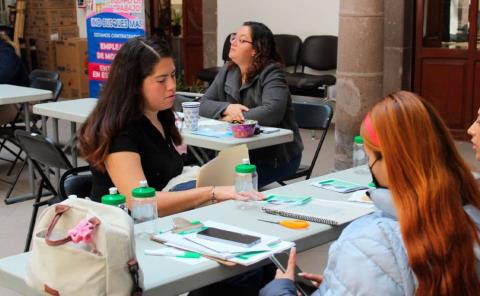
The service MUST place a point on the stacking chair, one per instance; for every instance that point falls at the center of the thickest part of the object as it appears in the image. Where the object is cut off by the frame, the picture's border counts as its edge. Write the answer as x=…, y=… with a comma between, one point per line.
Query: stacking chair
x=288, y=47
x=208, y=74
x=76, y=181
x=42, y=152
x=317, y=53
x=314, y=116
x=38, y=73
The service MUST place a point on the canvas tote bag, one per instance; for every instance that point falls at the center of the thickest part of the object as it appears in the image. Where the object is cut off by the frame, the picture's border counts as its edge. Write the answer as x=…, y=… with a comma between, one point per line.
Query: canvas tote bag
x=102, y=263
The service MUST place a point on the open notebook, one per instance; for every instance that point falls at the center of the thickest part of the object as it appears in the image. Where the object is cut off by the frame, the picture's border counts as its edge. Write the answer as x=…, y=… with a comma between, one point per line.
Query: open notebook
x=323, y=211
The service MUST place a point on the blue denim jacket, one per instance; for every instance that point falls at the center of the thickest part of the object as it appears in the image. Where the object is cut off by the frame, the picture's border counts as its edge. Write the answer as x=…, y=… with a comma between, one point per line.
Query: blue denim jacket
x=369, y=257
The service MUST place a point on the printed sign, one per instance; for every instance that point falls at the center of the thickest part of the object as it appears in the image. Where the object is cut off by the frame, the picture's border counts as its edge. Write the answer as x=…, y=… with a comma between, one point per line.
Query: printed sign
x=109, y=26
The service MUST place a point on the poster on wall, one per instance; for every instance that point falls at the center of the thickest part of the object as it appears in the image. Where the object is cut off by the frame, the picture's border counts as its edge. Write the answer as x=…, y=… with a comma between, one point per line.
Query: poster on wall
x=109, y=25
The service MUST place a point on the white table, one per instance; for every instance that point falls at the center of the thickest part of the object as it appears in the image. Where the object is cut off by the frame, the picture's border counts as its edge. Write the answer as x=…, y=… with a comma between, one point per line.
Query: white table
x=12, y=94
x=77, y=111
x=166, y=276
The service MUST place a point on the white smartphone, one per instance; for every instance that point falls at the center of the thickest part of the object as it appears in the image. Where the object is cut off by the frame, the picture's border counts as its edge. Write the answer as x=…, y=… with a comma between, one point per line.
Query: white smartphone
x=230, y=237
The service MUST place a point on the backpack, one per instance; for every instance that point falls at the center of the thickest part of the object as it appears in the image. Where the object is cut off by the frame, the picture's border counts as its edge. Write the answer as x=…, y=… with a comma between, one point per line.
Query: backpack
x=81, y=247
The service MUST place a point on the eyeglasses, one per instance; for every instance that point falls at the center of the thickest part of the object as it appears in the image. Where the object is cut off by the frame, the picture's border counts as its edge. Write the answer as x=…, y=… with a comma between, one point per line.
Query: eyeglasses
x=233, y=37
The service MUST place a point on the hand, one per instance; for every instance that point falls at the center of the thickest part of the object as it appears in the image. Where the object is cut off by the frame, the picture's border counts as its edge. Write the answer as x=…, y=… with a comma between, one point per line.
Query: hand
x=316, y=279
x=290, y=272
x=234, y=112
x=223, y=193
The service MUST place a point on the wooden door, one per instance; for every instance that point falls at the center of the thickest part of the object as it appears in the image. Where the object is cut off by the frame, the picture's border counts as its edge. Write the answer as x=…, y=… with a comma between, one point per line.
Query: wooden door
x=446, y=59
x=192, y=39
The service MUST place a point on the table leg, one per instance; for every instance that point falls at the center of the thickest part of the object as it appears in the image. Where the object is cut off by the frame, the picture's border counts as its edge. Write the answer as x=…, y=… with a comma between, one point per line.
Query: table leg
x=44, y=125
x=30, y=168
x=56, y=140
x=196, y=155
x=73, y=133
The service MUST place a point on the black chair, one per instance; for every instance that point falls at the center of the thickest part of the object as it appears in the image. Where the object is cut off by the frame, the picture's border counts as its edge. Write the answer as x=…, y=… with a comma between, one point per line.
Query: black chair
x=288, y=47
x=208, y=74
x=317, y=53
x=42, y=152
x=314, y=116
x=38, y=73
x=76, y=181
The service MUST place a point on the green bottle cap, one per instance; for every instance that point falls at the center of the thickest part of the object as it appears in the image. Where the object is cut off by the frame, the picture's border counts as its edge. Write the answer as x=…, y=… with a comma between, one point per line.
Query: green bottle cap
x=358, y=140
x=245, y=168
x=143, y=191
x=113, y=199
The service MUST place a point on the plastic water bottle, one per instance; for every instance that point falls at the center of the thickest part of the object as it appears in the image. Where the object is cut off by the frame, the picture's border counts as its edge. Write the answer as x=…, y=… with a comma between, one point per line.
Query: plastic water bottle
x=246, y=180
x=115, y=199
x=144, y=207
x=359, y=156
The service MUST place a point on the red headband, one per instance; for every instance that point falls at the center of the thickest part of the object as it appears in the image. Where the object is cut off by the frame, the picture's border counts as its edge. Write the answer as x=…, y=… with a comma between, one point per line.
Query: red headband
x=367, y=123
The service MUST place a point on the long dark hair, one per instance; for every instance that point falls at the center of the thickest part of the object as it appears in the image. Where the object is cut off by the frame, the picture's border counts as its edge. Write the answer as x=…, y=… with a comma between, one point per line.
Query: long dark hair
x=121, y=100
x=265, y=48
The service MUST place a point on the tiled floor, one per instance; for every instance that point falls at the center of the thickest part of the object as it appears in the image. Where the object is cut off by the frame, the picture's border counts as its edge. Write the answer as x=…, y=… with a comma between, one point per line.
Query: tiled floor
x=14, y=218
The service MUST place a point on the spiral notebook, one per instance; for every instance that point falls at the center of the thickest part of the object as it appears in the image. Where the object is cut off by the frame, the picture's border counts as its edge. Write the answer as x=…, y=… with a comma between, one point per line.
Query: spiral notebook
x=323, y=211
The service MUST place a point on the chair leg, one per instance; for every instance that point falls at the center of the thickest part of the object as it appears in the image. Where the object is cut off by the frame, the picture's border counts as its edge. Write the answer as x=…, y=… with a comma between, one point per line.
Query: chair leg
x=14, y=163
x=281, y=183
x=33, y=219
x=14, y=183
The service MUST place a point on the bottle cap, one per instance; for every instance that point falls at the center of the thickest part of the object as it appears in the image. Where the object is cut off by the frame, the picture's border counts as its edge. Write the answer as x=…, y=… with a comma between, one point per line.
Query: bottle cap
x=245, y=168
x=143, y=191
x=113, y=199
x=358, y=140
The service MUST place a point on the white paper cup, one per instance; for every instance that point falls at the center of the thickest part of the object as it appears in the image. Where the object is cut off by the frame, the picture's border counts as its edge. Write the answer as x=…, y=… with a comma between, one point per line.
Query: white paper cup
x=191, y=115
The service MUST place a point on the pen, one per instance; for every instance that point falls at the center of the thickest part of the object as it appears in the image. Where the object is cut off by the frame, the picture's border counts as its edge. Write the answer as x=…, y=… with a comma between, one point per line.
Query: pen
x=172, y=253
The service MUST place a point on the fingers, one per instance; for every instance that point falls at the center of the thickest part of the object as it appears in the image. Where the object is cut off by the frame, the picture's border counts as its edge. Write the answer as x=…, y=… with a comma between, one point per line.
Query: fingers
x=292, y=259
x=316, y=279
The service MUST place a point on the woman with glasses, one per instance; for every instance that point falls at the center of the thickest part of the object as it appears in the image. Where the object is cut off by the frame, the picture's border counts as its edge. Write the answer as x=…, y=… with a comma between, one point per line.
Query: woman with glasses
x=424, y=238
x=252, y=86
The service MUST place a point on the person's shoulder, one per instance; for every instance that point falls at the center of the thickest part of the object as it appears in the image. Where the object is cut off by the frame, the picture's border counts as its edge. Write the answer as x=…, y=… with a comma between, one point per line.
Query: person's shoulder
x=271, y=71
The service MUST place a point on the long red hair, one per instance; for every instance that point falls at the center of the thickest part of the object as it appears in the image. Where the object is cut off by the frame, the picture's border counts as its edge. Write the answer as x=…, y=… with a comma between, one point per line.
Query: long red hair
x=430, y=183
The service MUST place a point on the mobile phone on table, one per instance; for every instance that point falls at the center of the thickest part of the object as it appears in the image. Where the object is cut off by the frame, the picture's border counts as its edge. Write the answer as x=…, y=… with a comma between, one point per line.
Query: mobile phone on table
x=229, y=237
x=304, y=286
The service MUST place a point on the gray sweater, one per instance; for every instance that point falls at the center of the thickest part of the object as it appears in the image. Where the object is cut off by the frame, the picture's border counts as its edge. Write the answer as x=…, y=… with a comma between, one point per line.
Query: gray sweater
x=268, y=98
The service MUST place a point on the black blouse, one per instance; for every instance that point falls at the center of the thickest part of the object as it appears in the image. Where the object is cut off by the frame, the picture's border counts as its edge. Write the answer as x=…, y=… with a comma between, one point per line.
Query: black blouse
x=160, y=161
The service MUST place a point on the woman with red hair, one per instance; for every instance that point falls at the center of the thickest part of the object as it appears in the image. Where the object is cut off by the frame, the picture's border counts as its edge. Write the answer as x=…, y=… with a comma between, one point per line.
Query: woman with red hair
x=424, y=239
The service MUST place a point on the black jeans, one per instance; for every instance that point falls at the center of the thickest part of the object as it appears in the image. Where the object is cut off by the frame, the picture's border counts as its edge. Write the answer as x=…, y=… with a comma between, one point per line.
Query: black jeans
x=246, y=284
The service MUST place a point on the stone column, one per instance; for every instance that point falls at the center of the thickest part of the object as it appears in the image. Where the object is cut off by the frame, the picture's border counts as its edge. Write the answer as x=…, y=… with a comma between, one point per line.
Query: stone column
x=209, y=15
x=398, y=45
x=359, y=71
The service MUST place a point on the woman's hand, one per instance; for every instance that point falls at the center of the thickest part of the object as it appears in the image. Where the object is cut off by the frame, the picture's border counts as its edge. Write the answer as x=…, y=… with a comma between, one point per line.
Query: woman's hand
x=316, y=279
x=234, y=112
x=223, y=193
x=290, y=272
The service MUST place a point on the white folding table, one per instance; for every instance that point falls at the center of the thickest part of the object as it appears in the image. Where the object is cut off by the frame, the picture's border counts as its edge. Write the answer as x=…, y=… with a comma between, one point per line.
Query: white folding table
x=167, y=276
x=13, y=94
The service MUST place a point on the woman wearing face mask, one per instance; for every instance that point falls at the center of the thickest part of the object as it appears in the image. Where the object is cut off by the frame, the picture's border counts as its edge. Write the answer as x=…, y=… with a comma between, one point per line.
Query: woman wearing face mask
x=424, y=239
x=252, y=86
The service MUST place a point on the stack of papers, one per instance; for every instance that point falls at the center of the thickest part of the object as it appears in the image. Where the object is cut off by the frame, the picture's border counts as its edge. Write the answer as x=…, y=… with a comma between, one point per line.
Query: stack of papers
x=339, y=185
x=225, y=251
x=280, y=199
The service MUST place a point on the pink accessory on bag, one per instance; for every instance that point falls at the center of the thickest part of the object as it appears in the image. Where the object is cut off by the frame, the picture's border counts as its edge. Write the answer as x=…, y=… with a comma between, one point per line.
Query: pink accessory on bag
x=82, y=232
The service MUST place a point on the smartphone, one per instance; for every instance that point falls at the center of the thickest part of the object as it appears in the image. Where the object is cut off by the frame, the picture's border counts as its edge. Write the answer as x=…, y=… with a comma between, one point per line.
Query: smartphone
x=304, y=286
x=229, y=237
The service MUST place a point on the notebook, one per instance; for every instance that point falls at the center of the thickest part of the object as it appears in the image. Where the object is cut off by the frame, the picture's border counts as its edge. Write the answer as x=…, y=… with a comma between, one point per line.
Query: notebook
x=323, y=211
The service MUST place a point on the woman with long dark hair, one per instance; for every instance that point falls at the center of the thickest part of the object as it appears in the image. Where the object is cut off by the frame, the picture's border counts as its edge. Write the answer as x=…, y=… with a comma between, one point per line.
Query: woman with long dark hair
x=252, y=86
x=131, y=133
x=424, y=240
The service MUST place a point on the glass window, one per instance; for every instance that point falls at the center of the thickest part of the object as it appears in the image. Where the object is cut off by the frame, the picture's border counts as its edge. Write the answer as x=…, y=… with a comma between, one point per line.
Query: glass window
x=446, y=24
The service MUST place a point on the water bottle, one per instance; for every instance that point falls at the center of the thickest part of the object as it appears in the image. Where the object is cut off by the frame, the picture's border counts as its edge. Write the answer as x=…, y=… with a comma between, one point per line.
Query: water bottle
x=144, y=207
x=115, y=199
x=246, y=179
x=359, y=156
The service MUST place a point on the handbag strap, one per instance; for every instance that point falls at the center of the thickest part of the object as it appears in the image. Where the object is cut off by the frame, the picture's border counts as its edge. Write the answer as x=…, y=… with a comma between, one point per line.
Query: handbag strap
x=59, y=211
x=133, y=269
